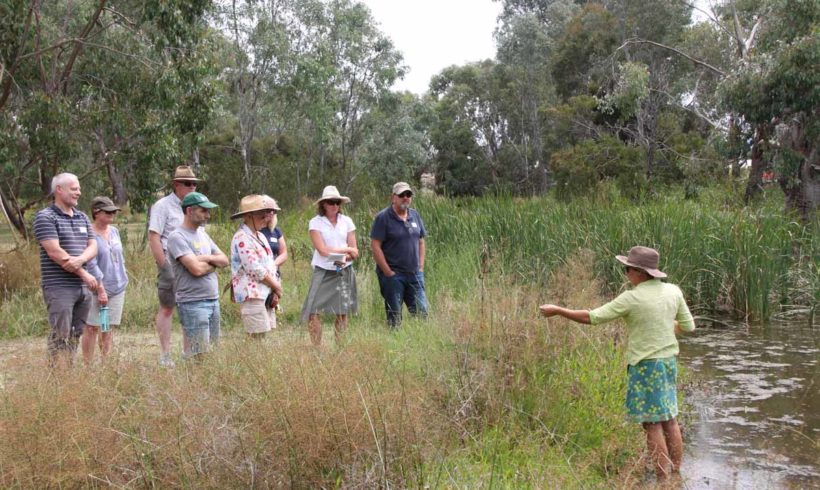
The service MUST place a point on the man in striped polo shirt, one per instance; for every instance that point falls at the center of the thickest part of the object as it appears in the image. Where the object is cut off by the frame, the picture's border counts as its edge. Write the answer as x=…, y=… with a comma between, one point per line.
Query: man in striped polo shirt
x=66, y=245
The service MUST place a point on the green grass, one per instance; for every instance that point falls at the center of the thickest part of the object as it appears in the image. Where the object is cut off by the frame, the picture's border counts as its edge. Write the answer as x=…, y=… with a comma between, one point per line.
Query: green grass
x=483, y=394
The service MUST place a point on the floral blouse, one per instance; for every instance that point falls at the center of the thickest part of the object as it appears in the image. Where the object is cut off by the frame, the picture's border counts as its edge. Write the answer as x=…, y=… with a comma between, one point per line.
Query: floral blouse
x=251, y=260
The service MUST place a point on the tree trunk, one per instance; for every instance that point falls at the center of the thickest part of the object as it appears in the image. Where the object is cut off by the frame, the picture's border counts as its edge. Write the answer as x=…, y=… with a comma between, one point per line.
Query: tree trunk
x=802, y=190
x=120, y=195
x=735, y=143
x=755, y=183
x=11, y=209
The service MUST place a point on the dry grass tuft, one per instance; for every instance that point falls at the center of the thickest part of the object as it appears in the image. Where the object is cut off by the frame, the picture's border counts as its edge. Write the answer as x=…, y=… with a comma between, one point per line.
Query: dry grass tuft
x=252, y=414
x=19, y=269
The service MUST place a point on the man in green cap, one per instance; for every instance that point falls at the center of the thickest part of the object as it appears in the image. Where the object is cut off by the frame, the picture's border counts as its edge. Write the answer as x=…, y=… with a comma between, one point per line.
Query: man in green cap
x=195, y=258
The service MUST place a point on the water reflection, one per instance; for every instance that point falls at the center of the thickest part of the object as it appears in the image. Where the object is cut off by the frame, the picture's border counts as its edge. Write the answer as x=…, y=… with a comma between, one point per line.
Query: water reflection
x=755, y=407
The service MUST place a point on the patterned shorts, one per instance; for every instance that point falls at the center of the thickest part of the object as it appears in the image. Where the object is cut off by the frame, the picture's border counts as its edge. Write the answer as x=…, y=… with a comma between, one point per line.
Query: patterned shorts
x=651, y=394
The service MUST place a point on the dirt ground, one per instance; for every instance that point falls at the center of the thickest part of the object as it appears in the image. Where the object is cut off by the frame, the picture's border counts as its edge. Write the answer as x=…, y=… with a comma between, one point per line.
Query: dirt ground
x=21, y=355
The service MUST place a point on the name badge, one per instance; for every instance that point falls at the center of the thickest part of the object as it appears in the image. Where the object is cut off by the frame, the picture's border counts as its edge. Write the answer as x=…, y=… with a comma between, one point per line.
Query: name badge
x=414, y=225
x=273, y=239
x=83, y=230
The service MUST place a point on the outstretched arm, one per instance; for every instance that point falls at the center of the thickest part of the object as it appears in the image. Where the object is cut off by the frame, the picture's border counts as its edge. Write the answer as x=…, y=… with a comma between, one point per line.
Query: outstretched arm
x=580, y=316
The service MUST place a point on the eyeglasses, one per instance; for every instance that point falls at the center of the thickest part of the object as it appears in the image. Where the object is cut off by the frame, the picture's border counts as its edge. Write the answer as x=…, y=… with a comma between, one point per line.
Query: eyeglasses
x=406, y=194
x=187, y=184
x=333, y=202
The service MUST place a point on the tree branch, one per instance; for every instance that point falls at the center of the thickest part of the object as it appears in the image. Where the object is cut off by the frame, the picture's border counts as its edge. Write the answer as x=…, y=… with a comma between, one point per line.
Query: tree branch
x=704, y=64
x=6, y=85
x=79, y=46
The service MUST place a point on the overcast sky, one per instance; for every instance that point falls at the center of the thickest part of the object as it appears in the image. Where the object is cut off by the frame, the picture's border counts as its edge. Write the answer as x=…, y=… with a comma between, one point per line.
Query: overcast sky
x=434, y=34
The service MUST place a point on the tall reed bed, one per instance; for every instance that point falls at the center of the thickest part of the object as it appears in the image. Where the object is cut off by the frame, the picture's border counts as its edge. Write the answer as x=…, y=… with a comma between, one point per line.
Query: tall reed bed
x=747, y=262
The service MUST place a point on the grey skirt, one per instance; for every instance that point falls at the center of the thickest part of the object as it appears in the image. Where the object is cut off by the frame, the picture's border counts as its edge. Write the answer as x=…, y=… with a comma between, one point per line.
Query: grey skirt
x=331, y=292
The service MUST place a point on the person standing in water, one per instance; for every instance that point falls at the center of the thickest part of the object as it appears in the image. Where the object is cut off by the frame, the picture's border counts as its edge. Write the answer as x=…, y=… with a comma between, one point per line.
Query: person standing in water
x=654, y=312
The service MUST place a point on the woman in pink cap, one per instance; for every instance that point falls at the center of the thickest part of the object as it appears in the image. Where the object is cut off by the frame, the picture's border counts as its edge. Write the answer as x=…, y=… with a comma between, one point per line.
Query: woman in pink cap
x=654, y=312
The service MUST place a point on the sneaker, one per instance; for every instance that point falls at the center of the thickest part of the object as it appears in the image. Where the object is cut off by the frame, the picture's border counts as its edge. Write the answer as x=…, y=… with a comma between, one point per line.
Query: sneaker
x=165, y=360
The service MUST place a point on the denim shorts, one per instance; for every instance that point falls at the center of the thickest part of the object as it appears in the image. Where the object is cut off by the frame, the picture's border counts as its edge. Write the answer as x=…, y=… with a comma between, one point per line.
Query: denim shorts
x=200, y=324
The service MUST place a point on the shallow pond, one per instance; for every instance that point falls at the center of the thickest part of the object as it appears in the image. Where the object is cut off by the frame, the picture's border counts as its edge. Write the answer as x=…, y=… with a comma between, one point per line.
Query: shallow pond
x=754, y=407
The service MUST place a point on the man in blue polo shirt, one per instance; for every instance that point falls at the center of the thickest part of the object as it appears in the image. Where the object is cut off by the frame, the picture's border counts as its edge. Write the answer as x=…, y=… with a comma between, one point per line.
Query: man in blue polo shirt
x=66, y=245
x=397, y=242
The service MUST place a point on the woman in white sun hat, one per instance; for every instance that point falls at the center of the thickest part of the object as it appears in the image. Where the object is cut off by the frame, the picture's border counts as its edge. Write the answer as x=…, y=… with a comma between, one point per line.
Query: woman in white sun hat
x=333, y=286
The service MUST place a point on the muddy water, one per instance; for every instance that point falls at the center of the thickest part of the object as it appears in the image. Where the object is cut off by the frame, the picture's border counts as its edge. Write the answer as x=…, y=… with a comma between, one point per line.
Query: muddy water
x=753, y=412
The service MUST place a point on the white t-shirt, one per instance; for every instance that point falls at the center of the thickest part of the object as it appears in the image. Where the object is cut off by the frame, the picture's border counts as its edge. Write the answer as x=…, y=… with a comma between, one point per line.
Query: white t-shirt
x=334, y=237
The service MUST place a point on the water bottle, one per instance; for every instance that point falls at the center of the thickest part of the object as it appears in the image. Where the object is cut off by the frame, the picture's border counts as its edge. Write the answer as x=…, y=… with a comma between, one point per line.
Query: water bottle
x=105, y=325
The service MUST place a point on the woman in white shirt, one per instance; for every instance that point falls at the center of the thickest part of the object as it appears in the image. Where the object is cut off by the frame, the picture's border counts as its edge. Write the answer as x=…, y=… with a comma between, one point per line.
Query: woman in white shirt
x=333, y=286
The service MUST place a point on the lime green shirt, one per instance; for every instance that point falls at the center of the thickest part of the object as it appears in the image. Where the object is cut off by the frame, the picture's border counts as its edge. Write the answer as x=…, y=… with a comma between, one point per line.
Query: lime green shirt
x=649, y=311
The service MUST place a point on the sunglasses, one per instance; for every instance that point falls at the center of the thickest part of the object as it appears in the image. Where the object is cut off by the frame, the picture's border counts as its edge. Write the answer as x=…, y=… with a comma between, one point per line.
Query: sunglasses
x=109, y=212
x=262, y=214
x=188, y=184
x=406, y=194
x=334, y=202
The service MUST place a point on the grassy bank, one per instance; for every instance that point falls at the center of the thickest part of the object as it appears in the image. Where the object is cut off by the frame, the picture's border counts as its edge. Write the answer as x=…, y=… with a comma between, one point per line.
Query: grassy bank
x=483, y=394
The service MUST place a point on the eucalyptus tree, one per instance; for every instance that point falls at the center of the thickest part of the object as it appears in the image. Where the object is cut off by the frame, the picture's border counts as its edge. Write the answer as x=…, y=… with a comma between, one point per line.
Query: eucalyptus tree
x=309, y=69
x=469, y=130
x=778, y=87
x=261, y=63
x=68, y=99
x=364, y=66
x=396, y=145
x=524, y=47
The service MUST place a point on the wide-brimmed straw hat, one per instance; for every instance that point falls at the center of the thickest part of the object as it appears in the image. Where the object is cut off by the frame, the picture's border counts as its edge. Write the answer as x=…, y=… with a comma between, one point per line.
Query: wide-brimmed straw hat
x=643, y=258
x=254, y=202
x=331, y=192
x=269, y=201
x=184, y=173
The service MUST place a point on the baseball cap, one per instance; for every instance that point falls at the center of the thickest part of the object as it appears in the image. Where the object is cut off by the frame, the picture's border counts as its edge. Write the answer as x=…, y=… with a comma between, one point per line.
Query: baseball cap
x=400, y=187
x=197, y=199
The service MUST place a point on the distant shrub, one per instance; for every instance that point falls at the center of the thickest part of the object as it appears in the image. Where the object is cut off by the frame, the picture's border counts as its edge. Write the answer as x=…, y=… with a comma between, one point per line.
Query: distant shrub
x=579, y=169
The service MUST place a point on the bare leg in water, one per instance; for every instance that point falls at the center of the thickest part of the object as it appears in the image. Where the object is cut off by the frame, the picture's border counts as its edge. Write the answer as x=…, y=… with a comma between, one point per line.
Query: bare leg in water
x=658, y=451
x=674, y=443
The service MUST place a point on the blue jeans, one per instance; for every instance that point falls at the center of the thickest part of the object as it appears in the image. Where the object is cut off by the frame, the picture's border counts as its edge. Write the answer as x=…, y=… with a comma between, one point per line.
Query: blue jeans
x=200, y=324
x=407, y=288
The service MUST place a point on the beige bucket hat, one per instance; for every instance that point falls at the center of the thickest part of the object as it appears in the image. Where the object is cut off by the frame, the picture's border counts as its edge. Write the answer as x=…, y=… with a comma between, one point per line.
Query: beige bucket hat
x=644, y=258
x=185, y=173
x=254, y=202
x=331, y=192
